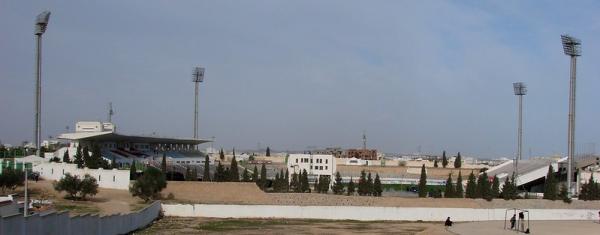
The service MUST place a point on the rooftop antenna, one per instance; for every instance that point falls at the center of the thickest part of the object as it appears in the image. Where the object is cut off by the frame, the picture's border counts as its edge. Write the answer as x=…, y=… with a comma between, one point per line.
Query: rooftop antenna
x=111, y=112
x=197, y=78
x=364, y=140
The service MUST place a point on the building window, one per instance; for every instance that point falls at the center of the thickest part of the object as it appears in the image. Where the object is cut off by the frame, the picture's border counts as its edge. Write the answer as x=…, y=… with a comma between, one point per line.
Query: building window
x=296, y=160
x=52, y=171
x=311, y=160
x=325, y=167
x=326, y=161
x=113, y=178
x=99, y=177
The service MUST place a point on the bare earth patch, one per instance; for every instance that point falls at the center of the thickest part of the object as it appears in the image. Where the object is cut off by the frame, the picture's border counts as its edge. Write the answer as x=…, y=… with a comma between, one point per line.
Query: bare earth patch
x=182, y=225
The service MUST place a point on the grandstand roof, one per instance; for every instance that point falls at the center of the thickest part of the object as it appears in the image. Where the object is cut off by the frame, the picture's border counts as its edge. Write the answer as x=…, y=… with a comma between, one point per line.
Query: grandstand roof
x=109, y=136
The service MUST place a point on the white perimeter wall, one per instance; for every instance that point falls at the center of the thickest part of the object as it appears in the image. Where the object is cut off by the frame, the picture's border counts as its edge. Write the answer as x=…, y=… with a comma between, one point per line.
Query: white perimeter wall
x=115, y=179
x=366, y=213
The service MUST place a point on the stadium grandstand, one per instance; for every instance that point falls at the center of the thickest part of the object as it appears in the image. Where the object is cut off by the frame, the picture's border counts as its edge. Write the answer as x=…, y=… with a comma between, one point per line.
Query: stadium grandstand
x=180, y=153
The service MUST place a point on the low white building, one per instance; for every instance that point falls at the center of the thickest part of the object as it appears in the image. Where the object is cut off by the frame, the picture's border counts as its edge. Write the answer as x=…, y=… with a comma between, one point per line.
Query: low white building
x=355, y=162
x=314, y=164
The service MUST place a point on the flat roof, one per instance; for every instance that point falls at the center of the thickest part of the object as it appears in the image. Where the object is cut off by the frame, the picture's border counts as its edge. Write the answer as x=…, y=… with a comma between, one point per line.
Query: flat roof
x=109, y=136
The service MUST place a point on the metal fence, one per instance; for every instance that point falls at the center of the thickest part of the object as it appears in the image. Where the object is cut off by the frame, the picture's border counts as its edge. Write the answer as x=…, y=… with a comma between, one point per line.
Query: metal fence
x=62, y=223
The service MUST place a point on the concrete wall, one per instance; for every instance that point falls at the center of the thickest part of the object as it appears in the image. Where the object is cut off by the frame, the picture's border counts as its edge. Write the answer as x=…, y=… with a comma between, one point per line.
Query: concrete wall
x=61, y=223
x=116, y=179
x=366, y=213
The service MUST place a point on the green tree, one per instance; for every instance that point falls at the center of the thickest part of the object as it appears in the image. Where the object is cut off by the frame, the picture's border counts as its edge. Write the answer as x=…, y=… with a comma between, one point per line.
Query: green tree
x=351, y=187
x=206, y=173
x=459, y=191
x=295, y=183
x=444, y=159
x=362, y=184
x=369, y=184
x=509, y=189
x=287, y=180
x=88, y=187
x=495, y=192
x=449, y=189
x=483, y=187
x=338, y=186
x=255, y=176
x=435, y=163
x=66, y=158
x=219, y=173
x=377, y=189
x=246, y=175
x=79, y=157
x=263, y=177
x=423, y=182
x=564, y=194
x=234, y=174
x=282, y=182
x=11, y=178
x=550, y=185
x=304, y=185
x=276, y=183
x=221, y=155
x=70, y=184
x=149, y=185
x=87, y=159
x=458, y=161
x=268, y=153
x=163, y=164
x=132, y=171
x=471, y=191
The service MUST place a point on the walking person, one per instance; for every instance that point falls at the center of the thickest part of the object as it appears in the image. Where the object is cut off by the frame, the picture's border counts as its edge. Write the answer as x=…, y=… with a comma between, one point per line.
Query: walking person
x=513, y=219
x=448, y=222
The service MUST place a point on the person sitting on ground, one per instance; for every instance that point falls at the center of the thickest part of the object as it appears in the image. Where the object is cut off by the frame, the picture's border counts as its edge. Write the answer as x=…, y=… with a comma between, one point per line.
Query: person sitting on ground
x=448, y=222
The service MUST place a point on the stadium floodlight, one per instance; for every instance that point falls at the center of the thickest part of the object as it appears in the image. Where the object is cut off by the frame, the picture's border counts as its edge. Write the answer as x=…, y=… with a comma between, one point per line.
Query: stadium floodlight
x=572, y=48
x=41, y=23
x=520, y=90
x=197, y=77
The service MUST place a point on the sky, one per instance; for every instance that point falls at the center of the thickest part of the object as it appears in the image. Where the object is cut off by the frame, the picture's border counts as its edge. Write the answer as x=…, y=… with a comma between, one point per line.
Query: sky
x=292, y=75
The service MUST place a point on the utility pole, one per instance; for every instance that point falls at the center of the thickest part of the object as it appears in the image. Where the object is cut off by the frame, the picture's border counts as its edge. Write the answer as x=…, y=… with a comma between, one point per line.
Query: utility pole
x=40, y=27
x=198, y=77
x=520, y=90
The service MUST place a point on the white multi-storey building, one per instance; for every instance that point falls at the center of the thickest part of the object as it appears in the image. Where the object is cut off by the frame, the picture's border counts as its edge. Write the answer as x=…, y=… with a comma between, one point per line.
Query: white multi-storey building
x=314, y=164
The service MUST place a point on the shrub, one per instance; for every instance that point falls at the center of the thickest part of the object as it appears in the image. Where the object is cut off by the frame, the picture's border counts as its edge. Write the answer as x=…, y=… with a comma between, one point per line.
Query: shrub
x=149, y=185
x=74, y=186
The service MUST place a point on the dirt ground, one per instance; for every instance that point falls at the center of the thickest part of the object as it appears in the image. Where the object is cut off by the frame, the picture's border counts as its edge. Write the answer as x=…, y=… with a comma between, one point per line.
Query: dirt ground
x=249, y=193
x=536, y=227
x=107, y=201
x=186, y=225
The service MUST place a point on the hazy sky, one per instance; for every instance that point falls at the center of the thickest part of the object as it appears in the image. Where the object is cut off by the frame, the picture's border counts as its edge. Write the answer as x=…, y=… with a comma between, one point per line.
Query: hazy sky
x=291, y=74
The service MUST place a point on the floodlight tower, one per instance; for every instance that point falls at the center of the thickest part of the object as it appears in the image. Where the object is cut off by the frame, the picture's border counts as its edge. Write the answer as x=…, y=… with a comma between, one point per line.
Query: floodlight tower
x=520, y=91
x=198, y=77
x=41, y=22
x=572, y=48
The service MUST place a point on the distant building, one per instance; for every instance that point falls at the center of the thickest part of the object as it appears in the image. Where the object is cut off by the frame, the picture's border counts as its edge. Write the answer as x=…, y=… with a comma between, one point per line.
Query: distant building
x=335, y=151
x=314, y=164
x=364, y=154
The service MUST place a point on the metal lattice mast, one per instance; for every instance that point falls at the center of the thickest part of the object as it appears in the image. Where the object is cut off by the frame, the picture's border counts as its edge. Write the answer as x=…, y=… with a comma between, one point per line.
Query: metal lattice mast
x=198, y=77
x=520, y=90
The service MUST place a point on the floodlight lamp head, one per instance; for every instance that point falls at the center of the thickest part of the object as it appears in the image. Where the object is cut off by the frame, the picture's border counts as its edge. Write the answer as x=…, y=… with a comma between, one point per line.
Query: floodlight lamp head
x=520, y=88
x=571, y=45
x=41, y=22
x=198, y=74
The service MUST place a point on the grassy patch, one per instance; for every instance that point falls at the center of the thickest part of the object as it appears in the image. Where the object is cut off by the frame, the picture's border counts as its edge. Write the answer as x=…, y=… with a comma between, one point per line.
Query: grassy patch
x=76, y=208
x=238, y=224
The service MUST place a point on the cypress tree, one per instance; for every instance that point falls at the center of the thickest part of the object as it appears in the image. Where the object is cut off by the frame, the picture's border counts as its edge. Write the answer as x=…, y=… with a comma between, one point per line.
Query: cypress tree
x=268, y=153
x=276, y=183
x=550, y=185
x=483, y=187
x=304, y=186
x=79, y=157
x=87, y=159
x=351, y=187
x=206, y=175
x=246, y=175
x=318, y=186
x=338, y=186
x=564, y=195
x=495, y=193
x=132, y=171
x=370, y=189
x=509, y=189
x=377, y=186
x=444, y=159
x=471, y=191
x=263, y=177
x=435, y=163
x=66, y=158
x=287, y=180
x=362, y=183
x=219, y=173
x=459, y=192
x=255, y=176
x=295, y=183
x=458, y=161
x=423, y=182
x=163, y=165
x=234, y=175
x=449, y=190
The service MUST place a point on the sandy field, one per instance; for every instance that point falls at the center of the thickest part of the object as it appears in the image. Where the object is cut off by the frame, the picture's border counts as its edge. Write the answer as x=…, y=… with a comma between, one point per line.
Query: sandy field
x=248, y=193
x=536, y=227
x=180, y=225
